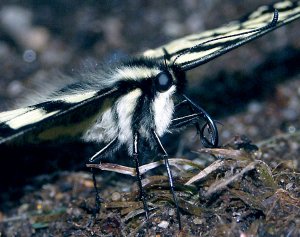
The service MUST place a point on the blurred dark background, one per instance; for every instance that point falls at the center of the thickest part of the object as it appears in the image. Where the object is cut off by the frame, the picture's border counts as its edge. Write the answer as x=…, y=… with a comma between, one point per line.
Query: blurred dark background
x=245, y=89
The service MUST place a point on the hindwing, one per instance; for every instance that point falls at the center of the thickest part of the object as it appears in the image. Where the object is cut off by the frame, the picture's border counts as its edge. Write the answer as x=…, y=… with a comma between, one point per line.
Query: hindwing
x=65, y=117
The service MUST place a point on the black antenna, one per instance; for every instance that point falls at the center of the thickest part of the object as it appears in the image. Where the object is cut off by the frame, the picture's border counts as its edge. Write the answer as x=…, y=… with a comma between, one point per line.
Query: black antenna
x=268, y=26
x=167, y=57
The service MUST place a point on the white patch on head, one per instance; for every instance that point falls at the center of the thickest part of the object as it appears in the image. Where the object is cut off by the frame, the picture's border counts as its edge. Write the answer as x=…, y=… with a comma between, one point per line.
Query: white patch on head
x=163, y=107
x=29, y=117
x=136, y=73
x=76, y=98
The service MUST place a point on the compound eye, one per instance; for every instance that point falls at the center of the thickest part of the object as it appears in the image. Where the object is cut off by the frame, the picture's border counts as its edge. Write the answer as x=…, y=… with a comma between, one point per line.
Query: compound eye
x=163, y=81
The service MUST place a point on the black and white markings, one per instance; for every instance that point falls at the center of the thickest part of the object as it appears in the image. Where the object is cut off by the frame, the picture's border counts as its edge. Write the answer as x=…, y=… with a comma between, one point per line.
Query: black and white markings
x=124, y=87
x=134, y=100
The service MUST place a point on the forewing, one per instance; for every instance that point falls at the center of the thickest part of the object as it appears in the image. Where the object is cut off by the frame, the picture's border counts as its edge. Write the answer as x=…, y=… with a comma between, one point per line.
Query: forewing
x=213, y=43
x=65, y=117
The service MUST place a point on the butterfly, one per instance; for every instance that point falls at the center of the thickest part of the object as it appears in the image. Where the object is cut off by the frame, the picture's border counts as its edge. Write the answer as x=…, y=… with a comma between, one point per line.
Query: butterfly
x=138, y=100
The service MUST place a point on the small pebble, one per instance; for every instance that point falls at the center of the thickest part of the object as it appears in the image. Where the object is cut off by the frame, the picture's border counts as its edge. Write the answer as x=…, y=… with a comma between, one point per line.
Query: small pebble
x=29, y=55
x=76, y=212
x=291, y=129
x=163, y=224
x=289, y=186
x=172, y=28
x=115, y=196
x=17, y=22
x=15, y=18
x=171, y=212
x=14, y=88
x=198, y=221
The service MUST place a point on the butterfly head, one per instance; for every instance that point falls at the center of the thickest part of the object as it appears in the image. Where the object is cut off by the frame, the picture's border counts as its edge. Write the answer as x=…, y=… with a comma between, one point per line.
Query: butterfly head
x=158, y=85
x=152, y=77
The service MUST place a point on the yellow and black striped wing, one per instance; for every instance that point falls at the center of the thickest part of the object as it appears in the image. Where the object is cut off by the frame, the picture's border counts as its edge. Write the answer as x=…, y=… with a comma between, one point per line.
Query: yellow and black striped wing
x=194, y=50
x=63, y=118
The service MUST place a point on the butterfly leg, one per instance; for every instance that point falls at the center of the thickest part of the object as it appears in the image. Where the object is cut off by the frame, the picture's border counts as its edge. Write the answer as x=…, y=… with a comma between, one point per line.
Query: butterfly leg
x=138, y=175
x=170, y=176
x=97, y=208
x=183, y=121
x=104, y=149
x=97, y=195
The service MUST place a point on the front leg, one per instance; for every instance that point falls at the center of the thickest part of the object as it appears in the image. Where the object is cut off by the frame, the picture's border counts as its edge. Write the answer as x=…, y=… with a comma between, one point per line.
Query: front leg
x=143, y=197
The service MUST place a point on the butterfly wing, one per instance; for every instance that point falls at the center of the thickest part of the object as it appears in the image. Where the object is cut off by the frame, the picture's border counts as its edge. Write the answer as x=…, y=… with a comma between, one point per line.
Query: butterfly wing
x=71, y=115
x=65, y=117
x=194, y=50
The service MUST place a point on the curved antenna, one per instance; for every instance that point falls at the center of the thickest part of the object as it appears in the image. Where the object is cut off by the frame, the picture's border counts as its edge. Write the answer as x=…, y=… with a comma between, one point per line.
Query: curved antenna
x=166, y=58
x=268, y=26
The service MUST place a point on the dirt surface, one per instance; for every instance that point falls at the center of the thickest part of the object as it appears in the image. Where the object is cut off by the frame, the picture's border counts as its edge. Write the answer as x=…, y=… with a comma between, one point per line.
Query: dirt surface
x=248, y=188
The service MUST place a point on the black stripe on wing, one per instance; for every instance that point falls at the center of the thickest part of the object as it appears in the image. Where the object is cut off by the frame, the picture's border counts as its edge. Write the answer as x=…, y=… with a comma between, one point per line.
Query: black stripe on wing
x=194, y=50
x=65, y=114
